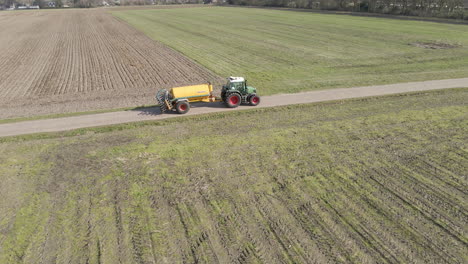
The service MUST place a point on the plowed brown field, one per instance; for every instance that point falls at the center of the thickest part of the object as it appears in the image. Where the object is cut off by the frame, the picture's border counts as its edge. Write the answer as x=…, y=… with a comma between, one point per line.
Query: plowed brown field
x=77, y=60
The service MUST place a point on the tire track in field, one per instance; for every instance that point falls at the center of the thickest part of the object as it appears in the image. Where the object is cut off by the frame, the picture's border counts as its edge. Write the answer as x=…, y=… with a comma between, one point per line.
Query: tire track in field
x=399, y=195
x=412, y=194
x=384, y=240
x=424, y=192
x=436, y=250
x=384, y=182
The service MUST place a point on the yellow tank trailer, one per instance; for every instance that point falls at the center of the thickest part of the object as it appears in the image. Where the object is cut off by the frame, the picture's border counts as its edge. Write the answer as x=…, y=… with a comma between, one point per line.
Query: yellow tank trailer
x=194, y=93
x=233, y=94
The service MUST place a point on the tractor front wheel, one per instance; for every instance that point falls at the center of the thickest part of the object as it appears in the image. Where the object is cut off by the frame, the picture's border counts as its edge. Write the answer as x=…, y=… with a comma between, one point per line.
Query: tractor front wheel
x=254, y=100
x=233, y=100
x=182, y=107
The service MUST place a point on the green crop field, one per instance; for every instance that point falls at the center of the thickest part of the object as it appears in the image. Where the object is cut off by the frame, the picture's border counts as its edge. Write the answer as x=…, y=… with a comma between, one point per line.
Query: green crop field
x=287, y=52
x=376, y=180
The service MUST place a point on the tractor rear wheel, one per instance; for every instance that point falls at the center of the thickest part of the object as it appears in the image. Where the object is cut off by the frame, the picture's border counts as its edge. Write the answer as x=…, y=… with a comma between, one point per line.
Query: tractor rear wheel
x=254, y=100
x=233, y=100
x=182, y=107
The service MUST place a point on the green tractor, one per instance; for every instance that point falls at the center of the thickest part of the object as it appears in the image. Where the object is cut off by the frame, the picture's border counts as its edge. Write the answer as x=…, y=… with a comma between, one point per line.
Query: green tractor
x=237, y=92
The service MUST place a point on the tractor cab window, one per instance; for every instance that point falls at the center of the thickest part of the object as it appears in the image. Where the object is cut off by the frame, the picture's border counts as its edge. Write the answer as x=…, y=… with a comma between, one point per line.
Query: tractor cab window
x=237, y=85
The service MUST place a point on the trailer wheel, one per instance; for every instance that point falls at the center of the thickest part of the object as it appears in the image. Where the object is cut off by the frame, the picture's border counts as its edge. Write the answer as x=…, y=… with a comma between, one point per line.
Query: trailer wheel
x=254, y=100
x=182, y=107
x=233, y=100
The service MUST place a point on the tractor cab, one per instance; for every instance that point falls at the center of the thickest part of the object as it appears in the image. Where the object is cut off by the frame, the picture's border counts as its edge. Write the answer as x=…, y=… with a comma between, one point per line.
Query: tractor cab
x=236, y=91
x=236, y=83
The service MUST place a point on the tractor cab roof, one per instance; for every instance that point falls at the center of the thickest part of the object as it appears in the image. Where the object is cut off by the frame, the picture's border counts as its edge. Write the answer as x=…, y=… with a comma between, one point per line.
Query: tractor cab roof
x=236, y=79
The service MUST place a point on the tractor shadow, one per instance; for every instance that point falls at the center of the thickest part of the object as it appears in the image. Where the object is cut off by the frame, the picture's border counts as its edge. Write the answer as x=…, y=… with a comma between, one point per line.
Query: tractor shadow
x=208, y=105
x=154, y=110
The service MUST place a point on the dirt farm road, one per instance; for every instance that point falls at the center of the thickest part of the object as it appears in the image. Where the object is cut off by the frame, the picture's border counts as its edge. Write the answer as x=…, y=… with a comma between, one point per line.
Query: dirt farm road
x=102, y=119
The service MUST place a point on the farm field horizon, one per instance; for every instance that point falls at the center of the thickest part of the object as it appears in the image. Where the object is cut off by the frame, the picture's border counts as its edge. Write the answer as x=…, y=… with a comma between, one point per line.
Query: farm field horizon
x=375, y=180
x=288, y=52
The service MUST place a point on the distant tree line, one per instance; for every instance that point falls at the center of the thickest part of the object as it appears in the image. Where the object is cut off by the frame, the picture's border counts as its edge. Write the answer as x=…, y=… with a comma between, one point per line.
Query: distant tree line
x=40, y=3
x=157, y=2
x=436, y=8
x=433, y=8
x=93, y=3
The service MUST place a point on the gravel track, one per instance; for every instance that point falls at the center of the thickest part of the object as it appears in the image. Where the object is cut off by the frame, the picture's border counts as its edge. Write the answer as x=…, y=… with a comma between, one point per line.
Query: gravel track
x=152, y=113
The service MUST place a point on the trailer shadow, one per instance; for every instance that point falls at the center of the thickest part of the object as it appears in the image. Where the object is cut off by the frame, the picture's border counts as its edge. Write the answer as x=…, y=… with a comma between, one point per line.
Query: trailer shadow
x=147, y=110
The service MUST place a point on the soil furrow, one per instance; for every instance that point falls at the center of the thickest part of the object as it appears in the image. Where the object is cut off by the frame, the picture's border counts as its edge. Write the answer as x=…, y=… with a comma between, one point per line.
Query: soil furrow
x=87, y=57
